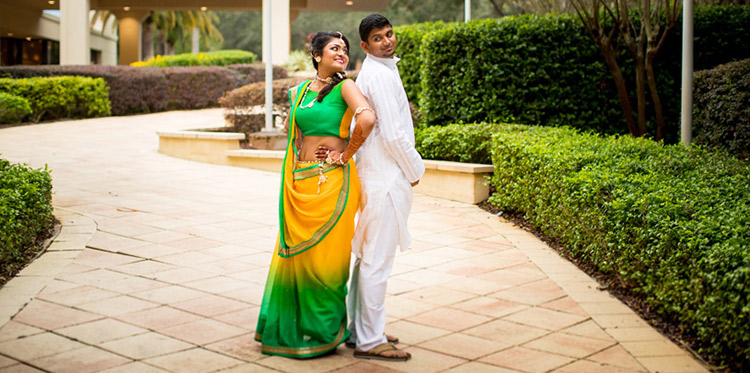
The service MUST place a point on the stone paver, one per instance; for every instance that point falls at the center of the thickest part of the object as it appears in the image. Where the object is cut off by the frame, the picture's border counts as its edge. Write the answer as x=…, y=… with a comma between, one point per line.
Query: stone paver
x=161, y=262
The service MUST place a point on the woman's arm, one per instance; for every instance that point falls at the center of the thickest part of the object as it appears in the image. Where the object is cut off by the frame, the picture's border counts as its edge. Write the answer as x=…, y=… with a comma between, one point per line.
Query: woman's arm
x=365, y=121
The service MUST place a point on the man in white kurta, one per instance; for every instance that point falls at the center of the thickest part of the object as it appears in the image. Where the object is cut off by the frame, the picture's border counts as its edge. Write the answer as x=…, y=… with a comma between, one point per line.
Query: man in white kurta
x=388, y=166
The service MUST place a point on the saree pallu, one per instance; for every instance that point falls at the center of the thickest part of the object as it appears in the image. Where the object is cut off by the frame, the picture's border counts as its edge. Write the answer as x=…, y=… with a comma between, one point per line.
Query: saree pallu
x=303, y=313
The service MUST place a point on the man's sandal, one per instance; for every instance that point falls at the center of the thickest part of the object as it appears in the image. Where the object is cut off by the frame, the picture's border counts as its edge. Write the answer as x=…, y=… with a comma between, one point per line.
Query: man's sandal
x=391, y=339
x=377, y=353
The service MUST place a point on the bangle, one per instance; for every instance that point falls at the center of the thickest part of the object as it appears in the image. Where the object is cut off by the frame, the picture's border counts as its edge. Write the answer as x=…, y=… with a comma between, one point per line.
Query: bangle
x=363, y=108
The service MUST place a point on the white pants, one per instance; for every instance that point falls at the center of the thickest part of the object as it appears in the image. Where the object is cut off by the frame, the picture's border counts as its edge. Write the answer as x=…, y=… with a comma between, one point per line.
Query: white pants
x=368, y=286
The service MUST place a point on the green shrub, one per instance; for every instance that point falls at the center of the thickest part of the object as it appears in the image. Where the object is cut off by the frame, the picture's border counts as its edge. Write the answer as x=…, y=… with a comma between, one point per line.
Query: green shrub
x=467, y=143
x=546, y=70
x=25, y=209
x=720, y=36
x=13, y=108
x=61, y=97
x=670, y=223
x=532, y=68
x=722, y=108
x=134, y=90
x=216, y=58
x=410, y=40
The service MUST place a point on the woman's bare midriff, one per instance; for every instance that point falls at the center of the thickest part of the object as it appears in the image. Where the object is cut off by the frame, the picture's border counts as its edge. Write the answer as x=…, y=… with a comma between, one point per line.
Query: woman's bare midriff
x=311, y=143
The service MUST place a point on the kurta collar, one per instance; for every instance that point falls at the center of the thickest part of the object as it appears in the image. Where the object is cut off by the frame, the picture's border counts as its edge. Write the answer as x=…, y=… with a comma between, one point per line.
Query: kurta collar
x=390, y=62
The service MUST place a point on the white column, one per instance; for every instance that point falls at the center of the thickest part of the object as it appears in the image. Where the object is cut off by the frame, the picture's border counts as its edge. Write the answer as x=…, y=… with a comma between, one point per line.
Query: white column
x=467, y=10
x=686, y=126
x=129, y=25
x=74, y=32
x=267, y=59
x=281, y=28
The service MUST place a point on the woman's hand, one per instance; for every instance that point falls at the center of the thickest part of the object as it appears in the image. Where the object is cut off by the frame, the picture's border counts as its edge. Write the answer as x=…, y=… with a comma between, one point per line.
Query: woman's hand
x=328, y=155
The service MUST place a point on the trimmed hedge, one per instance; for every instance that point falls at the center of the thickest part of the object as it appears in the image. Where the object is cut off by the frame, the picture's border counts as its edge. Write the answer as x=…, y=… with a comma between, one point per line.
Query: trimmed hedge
x=238, y=103
x=61, y=97
x=135, y=90
x=468, y=143
x=547, y=70
x=410, y=40
x=215, y=58
x=25, y=210
x=671, y=223
x=527, y=69
x=13, y=109
x=722, y=108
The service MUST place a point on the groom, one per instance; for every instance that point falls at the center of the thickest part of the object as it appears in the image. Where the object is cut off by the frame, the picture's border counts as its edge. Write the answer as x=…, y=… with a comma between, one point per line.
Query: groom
x=388, y=166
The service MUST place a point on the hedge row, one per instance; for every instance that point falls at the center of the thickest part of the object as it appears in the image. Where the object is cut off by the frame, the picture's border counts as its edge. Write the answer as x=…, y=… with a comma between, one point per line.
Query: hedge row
x=546, y=69
x=134, y=90
x=57, y=97
x=467, y=143
x=13, y=109
x=25, y=210
x=670, y=223
x=722, y=108
x=410, y=40
x=215, y=58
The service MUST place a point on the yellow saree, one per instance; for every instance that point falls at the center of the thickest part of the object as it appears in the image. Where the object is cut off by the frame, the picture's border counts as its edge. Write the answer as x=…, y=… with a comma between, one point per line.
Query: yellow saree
x=303, y=313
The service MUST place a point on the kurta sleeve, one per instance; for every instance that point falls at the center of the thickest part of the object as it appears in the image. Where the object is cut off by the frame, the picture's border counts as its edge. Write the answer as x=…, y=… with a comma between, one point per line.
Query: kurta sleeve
x=382, y=95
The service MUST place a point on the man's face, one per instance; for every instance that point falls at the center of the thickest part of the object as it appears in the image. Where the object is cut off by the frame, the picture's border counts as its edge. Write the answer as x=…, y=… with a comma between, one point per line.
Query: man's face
x=381, y=42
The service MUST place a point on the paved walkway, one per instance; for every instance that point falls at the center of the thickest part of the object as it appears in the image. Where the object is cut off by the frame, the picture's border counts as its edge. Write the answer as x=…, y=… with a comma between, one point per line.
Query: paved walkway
x=161, y=263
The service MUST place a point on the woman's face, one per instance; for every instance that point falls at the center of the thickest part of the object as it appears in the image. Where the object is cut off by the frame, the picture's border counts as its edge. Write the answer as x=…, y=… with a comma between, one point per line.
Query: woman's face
x=335, y=56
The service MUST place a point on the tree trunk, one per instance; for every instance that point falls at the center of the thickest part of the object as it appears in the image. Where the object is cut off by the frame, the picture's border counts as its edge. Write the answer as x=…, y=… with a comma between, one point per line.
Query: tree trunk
x=161, y=43
x=640, y=87
x=147, y=39
x=660, y=124
x=498, y=7
x=196, y=45
x=622, y=90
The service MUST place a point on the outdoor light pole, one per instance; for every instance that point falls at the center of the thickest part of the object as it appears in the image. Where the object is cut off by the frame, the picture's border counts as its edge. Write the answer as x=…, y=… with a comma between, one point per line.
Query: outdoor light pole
x=467, y=10
x=686, y=126
x=269, y=64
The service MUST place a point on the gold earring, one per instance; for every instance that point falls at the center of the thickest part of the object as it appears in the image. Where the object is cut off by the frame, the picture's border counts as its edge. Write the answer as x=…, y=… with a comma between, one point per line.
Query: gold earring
x=317, y=59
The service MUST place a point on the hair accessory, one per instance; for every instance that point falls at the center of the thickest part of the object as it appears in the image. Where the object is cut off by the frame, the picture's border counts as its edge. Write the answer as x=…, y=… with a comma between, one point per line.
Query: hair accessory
x=341, y=37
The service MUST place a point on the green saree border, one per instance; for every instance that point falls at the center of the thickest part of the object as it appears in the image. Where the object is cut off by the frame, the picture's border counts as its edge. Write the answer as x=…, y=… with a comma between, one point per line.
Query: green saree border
x=304, y=351
x=320, y=234
x=290, y=148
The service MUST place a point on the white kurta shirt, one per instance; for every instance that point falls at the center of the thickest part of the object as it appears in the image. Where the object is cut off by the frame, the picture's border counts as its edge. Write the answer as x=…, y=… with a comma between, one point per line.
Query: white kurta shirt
x=387, y=162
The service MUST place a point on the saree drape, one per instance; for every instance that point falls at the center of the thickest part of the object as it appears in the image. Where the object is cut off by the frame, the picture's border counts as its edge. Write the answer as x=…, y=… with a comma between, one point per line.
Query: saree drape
x=303, y=312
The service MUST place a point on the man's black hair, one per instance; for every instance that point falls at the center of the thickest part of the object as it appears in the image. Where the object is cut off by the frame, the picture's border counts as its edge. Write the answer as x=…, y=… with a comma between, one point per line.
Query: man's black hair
x=370, y=23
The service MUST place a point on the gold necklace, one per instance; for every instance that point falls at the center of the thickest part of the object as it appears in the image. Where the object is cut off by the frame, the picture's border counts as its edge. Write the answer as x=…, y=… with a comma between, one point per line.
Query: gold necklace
x=327, y=80
x=304, y=94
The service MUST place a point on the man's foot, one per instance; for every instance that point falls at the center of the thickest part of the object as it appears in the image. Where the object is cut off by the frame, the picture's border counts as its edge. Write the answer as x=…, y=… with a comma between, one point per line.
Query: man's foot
x=386, y=351
x=391, y=339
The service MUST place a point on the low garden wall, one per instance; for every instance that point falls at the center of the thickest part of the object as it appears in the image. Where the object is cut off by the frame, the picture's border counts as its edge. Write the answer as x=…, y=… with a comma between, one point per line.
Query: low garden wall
x=456, y=181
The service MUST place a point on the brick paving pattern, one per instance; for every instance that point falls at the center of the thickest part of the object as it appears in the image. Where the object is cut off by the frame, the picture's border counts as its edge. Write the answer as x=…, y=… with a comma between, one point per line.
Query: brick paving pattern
x=161, y=262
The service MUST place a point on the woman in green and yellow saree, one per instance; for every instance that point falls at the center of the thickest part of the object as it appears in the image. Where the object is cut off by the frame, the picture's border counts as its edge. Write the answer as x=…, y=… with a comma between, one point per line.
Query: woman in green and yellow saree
x=303, y=313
